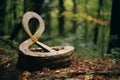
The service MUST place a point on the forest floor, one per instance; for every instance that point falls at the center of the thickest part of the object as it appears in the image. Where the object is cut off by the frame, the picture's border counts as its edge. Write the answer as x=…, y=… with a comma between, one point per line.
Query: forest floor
x=96, y=69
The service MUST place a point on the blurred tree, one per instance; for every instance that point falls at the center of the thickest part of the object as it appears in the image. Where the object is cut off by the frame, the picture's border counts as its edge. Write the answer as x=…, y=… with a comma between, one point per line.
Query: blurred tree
x=17, y=12
x=48, y=23
x=47, y=10
x=2, y=16
x=16, y=28
x=86, y=23
x=61, y=18
x=74, y=20
x=33, y=5
x=96, y=28
x=114, y=26
x=10, y=16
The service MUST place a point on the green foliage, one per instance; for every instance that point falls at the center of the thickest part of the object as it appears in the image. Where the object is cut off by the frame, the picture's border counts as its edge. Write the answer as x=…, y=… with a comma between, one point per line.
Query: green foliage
x=68, y=5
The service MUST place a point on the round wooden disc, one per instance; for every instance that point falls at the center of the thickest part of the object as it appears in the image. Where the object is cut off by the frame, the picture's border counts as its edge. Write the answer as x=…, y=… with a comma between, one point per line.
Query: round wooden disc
x=61, y=58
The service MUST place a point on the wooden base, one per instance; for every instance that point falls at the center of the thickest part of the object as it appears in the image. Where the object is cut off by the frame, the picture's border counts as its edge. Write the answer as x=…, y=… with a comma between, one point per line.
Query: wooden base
x=32, y=63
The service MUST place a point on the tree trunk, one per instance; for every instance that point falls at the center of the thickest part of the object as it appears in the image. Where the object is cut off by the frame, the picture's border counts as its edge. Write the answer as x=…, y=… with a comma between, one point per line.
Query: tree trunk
x=96, y=29
x=74, y=21
x=114, y=26
x=17, y=13
x=61, y=18
x=2, y=16
x=47, y=11
x=33, y=5
x=86, y=23
x=48, y=24
x=9, y=17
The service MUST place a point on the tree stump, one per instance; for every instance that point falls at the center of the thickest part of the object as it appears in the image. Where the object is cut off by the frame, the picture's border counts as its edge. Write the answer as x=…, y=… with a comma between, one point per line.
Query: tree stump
x=37, y=58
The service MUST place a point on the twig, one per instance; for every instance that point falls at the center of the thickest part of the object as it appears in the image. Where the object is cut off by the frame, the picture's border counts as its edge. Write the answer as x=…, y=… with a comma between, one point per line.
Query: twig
x=7, y=42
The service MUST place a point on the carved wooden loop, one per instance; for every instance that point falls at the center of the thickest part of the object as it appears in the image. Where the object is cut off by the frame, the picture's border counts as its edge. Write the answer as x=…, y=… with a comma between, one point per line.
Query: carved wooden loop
x=34, y=37
x=25, y=20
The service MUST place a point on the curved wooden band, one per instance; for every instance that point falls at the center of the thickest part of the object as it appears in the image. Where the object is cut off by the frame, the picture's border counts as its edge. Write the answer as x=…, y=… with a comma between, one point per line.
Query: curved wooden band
x=34, y=37
x=25, y=20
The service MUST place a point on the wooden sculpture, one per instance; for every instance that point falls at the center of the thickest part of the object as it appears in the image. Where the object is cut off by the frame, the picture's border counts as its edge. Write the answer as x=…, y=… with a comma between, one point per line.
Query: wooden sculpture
x=45, y=56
